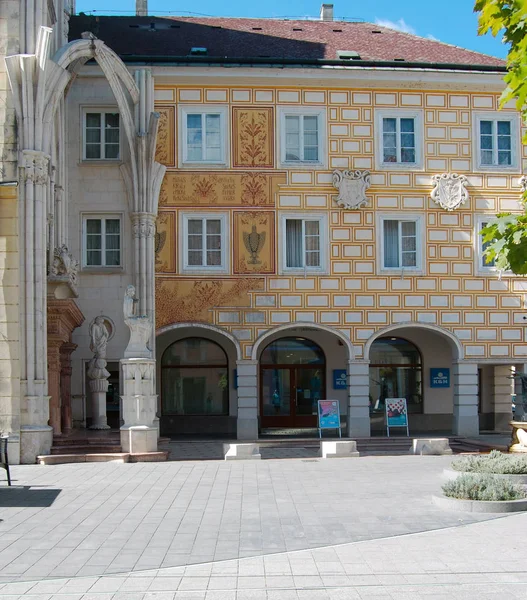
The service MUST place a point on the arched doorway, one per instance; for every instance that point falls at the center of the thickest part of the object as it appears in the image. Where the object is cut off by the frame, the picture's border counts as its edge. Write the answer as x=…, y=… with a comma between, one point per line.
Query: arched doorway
x=194, y=378
x=395, y=372
x=292, y=380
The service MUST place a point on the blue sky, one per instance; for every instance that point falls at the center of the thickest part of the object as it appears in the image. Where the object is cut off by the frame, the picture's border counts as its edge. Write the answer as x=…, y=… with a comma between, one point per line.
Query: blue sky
x=450, y=21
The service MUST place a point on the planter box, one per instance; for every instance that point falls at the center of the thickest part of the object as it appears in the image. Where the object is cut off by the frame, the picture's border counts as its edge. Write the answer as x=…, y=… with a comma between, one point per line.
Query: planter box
x=453, y=474
x=480, y=506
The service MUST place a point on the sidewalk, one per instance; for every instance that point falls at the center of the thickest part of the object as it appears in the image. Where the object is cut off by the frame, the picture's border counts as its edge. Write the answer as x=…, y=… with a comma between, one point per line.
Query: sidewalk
x=261, y=530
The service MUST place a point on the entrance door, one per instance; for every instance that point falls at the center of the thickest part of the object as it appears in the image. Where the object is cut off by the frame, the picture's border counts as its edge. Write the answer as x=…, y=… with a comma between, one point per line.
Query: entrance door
x=292, y=377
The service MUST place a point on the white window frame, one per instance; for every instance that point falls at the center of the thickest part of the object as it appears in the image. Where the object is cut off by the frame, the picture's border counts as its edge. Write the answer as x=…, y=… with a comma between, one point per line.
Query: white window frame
x=102, y=216
x=324, y=242
x=102, y=110
x=420, y=233
x=417, y=115
x=299, y=111
x=184, y=218
x=203, y=109
x=514, y=119
x=480, y=268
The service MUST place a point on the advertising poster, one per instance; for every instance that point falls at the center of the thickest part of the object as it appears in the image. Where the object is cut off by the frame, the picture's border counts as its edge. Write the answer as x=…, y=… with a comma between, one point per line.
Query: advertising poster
x=396, y=413
x=328, y=414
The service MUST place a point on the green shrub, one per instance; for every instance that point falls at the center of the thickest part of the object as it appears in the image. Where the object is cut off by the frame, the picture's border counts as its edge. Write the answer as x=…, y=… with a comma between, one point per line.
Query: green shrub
x=482, y=487
x=496, y=462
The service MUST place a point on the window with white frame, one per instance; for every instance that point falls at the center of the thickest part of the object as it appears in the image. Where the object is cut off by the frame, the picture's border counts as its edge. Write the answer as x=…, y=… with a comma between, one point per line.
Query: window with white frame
x=101, y=135
x=496, y=140
x=204, y=241
x=399, y=139
x=400, y=243
x=102, y=241
x=203, y=138
x=302, y=135
x=304, y=239
x=482, y=265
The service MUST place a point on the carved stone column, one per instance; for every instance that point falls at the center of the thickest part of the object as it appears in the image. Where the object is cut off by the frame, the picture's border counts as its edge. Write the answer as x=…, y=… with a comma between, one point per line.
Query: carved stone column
x=65, y=385
x=63, y=317
x=54, y=385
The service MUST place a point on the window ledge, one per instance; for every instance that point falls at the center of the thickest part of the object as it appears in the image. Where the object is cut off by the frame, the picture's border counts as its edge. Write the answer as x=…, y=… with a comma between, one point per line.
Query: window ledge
x=400, y=272
x=102, y=270
x=107, y=162
x=400, y=167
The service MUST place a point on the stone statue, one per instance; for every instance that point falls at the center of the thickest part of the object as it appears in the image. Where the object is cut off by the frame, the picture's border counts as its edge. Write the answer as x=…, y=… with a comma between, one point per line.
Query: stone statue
x=99, y=335
x=140, y=327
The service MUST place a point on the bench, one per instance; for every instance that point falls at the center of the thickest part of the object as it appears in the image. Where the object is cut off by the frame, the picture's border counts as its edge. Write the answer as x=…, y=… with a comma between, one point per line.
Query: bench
x=4, y=460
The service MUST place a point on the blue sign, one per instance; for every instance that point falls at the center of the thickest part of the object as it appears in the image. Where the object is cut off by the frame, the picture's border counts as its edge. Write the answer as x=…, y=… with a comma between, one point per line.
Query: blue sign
x=340, y=379
x=440, y=378
x=328, y=414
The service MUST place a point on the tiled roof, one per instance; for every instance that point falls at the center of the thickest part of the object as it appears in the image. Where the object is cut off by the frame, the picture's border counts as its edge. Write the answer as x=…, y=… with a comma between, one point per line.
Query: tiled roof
x=275, y=39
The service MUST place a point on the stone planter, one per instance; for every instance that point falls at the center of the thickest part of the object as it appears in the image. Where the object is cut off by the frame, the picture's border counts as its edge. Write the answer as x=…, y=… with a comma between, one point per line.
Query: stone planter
x=480, y=506
x=453, y=474
x=519, y=436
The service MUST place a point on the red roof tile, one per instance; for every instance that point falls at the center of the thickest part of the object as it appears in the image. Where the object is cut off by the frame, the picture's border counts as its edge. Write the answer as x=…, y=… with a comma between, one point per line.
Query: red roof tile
x=269, y=38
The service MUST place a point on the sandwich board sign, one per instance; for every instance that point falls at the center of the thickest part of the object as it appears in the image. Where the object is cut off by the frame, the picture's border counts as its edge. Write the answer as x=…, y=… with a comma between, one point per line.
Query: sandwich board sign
x=328, y=416
x=396, y=414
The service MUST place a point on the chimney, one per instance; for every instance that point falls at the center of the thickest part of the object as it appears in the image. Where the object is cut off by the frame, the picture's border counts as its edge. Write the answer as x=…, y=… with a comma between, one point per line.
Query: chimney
x=141, y=8
x=326, y=12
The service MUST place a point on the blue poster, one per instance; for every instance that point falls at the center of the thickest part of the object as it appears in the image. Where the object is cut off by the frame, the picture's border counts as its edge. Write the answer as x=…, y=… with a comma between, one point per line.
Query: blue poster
x=328, y=414
x=440, y=378
x=340, y=379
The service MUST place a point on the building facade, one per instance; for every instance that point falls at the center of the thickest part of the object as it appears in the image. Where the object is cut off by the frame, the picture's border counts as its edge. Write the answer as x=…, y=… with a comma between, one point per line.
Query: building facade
x=298, y=205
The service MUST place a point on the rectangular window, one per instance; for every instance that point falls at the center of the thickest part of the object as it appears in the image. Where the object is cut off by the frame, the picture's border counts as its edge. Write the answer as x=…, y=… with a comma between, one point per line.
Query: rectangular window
x=398, y=140
x=203, y=135
x=204, y=242
x=102, y=242
x=101, y=136
x=483, y=246
x=399, y=244
x=302, y=244
x=203, y=138
x=301, y=138
x=495, y=143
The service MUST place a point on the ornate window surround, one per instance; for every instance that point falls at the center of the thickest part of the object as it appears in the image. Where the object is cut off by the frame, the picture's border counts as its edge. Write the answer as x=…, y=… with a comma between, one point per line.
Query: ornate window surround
x=203, y=109
x=184, y=218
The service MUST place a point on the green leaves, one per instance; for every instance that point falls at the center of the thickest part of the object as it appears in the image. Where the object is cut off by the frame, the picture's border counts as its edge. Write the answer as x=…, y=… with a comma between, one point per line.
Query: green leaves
x=507, y=235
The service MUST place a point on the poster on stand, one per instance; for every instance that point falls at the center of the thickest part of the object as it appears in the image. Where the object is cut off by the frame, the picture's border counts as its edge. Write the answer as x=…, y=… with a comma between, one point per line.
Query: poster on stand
x=328, y=416
x=396, y=414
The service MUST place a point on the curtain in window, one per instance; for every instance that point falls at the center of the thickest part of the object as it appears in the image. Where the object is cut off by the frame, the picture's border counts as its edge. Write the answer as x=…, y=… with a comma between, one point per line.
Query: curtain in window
x=407, y=141
x=408, y=244
x=389, y=140
x=113, y=242
x=391, y=244
x=311, y=137
x=293, y=241
x=195, y=242
x=213, y=243
x=213, y=137
x=486, y=142
x=312, y=237
x=504, y=143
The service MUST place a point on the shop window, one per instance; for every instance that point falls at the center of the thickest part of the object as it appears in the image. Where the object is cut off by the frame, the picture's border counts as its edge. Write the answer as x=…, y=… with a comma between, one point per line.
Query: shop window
x=195, y=378
x=395, y=372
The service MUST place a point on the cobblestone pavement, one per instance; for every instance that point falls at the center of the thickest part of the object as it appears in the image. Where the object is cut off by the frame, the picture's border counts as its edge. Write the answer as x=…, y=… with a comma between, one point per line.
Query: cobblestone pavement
x=309, y=529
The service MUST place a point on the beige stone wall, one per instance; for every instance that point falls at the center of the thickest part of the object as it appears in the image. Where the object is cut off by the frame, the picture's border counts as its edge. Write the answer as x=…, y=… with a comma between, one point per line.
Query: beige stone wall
x=9, y=320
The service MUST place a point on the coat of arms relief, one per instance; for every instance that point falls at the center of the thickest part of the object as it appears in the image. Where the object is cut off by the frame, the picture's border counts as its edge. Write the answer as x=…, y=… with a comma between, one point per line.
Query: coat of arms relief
x=352, y=186
x=449, y=190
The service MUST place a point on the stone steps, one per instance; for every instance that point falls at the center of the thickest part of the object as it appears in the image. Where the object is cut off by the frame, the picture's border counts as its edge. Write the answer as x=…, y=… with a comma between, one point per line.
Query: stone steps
x=117, y=457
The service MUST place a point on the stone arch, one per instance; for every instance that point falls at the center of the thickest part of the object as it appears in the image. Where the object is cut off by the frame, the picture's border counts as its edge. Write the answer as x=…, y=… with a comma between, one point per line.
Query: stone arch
x=452, y=339
x=285, y=328
x=204, y=326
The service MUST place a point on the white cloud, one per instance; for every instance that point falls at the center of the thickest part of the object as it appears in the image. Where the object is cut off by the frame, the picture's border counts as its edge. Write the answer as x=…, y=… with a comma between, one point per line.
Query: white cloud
x=399, y=25
x=432, y=37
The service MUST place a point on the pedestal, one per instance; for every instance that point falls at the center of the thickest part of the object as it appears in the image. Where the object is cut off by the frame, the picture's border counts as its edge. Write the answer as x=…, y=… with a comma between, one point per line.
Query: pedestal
x=98, y=389
x=519, y=436
x=139, y=405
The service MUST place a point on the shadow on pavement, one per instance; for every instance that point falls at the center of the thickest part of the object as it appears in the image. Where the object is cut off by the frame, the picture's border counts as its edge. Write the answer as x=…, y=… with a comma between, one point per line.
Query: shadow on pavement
x=20, y=496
